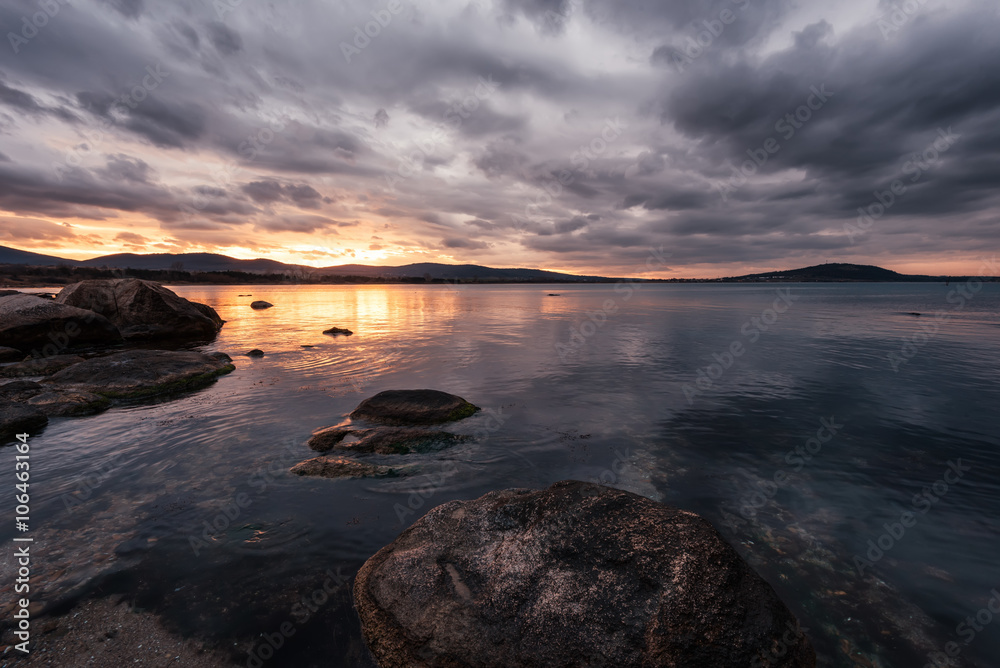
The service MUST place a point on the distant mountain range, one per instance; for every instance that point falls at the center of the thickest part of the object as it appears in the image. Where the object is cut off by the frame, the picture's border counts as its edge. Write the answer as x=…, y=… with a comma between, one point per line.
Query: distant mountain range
x=211, y=262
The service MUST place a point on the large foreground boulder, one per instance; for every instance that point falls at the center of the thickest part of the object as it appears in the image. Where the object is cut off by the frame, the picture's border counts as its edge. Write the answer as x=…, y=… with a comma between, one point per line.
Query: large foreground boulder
x=413, y=407
x=575, y=575
x=141, y=373
x=31, y=323
x=144, y=310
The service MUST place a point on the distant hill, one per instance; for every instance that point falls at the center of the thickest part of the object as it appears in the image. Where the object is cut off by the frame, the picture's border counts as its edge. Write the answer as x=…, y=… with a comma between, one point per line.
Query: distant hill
x=191, y=262
x=835, y=271
x=453, y=272
x=14, y=256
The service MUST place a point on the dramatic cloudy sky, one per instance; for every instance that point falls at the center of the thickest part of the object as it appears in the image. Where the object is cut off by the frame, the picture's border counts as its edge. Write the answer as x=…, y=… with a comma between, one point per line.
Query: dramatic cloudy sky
x=566, y=134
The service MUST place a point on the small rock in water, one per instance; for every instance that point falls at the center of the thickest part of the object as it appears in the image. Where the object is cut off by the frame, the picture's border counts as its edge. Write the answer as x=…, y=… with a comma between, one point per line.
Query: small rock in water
x=398, y=440
x=574, y=575
x=325, y=439
x=554, y=294
x=414, y=407
x=338, y=467
x=338, y=330
x=260, y=305
x=256, y=352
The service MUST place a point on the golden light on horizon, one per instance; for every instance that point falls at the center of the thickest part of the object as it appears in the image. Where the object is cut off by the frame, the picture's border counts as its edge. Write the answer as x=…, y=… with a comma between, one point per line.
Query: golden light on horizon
x=84, y=239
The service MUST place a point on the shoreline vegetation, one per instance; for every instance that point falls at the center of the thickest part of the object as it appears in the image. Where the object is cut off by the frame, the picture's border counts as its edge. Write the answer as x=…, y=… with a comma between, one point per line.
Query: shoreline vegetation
x=14, y=276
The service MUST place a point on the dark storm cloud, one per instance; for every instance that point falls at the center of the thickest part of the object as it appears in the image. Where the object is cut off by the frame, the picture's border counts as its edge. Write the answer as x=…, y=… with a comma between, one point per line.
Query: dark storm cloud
x=882, y=109
x=27, y=191
x=27, y=104
x=461, y=242
x=549, y=15
x=225, y=39
x=267, y=192
x=687, y=18
x=126, y=168
x=130, y=8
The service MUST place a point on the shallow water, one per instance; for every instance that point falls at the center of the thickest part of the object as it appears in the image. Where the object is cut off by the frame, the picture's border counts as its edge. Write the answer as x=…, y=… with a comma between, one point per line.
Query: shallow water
x=121, y=500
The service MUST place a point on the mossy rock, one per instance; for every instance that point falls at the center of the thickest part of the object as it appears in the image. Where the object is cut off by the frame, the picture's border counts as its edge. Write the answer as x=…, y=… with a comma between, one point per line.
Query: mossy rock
x=340, y=467
x=414, y=407
x=140, y=374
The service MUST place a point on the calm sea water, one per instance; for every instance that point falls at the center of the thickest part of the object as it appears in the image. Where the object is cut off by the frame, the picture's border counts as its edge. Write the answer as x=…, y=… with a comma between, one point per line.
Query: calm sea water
x=187, y=506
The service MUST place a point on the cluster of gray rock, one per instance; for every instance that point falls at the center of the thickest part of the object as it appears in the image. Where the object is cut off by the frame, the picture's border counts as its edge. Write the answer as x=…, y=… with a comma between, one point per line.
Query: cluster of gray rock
x=394, y=422
x=68, y=343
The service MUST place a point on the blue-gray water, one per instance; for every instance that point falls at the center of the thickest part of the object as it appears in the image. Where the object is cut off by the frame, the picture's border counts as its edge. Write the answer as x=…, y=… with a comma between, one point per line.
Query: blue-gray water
x=121, y=499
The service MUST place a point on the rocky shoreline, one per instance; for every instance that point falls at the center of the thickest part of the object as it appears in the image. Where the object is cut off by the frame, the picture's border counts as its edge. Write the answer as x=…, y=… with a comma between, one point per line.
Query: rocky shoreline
x=68, y=358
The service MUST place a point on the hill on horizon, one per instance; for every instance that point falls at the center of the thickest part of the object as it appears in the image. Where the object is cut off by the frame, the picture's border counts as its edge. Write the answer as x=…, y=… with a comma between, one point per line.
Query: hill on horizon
x=835, y=271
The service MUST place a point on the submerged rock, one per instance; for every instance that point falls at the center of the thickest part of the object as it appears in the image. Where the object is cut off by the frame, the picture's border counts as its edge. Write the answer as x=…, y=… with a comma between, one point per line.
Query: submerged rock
x=20, y=390
x=39, y=366
x=28, y=322
x=141, y=373
x=333, y=331
x=67, y=403
x=575, y=575
x=413, y=407
x=324, y=440
x=10, y=355
x=398, y=440
x=144, y=310
x=256, y=352
x=338, y=467
x=261, y=305
x=17, y=418
x=382, y=440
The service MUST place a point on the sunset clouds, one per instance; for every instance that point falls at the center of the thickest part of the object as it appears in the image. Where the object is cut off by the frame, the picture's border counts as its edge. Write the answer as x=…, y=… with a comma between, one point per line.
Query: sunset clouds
x=569, y=135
